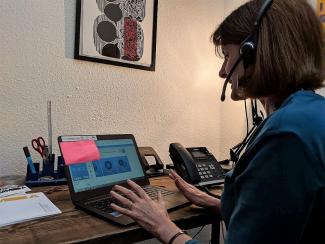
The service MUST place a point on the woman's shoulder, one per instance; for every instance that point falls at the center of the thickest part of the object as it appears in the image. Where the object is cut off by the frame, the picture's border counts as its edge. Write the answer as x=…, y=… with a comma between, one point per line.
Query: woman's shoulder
x=302, y=113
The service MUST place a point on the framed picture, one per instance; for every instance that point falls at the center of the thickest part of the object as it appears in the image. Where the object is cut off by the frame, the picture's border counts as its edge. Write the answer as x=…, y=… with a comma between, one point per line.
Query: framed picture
x=321, y=11
x=118, y=32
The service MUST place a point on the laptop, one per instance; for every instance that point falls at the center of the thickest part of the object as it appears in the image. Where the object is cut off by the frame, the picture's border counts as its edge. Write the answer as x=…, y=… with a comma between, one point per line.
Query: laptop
x=90, y=182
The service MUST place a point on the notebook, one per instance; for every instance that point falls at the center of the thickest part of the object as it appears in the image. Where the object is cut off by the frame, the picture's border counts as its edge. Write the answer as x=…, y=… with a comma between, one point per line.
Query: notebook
x=24, y=207
x=91, y=174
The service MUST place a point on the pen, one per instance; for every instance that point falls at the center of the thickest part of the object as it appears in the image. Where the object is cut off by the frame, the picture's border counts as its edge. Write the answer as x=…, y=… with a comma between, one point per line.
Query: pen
x=49, y=125
x=29, y=160
x=46, y=153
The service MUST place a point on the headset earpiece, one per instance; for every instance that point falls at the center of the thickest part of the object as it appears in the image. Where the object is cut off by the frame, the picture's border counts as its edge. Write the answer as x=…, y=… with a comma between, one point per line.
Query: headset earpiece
x=248, y=49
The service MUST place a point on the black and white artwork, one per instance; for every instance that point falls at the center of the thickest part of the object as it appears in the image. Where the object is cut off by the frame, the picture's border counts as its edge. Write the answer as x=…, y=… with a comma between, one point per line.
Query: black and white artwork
x=119, y=32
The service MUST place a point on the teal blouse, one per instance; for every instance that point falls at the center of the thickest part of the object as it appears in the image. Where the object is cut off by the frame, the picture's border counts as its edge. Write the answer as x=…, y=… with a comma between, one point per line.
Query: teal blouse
x=276, y=192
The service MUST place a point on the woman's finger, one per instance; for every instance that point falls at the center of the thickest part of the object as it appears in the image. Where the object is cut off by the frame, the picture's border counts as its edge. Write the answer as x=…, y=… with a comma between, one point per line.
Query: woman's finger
x=174, y=174
x=182, y=182
x=186, y=188
x=138, y=190
x=125, y=201
x=177, y=177
x=181, y=185
x=160, y=199
x=124, y=211
x=127, y=192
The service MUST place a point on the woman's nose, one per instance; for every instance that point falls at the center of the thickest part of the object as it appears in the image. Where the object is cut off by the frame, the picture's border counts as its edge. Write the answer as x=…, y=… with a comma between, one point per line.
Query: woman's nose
x=222, y=71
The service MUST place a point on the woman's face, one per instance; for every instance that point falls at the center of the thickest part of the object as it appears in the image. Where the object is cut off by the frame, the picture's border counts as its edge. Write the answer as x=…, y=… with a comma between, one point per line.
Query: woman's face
x=231, y=54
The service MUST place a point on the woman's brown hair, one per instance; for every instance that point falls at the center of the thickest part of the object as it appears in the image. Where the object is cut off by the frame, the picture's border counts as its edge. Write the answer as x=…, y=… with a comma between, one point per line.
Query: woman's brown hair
x=290, y=52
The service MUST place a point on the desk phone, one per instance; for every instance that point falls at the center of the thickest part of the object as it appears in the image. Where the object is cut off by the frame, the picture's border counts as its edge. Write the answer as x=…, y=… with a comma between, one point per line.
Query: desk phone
x=196, y=165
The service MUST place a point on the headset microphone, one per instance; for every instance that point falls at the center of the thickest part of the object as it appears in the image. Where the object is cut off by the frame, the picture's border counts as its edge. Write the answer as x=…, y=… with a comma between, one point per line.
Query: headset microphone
x=223, y=94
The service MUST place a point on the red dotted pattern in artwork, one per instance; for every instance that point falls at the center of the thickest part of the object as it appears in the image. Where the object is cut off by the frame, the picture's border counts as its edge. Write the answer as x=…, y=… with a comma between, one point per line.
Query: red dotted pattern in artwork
x=130, y=39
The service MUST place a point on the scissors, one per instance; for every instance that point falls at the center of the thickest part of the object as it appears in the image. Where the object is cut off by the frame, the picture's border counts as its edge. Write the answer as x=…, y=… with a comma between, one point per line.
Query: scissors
x=39, y=145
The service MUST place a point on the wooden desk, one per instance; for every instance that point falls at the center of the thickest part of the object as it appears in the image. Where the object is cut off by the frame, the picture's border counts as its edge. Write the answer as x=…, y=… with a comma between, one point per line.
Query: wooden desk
x=76, y=226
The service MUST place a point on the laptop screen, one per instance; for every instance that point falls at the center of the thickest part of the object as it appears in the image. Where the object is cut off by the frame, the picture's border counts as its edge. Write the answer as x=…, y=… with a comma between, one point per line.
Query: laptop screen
x=118, y=161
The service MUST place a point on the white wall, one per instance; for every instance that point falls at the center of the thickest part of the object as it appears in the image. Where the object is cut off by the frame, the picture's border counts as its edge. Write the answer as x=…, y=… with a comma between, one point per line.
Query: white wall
x=179, y=102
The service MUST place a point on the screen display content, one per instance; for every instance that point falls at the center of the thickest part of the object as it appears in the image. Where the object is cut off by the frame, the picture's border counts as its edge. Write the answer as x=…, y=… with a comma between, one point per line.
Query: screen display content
x=197, y=154
x=118, y=161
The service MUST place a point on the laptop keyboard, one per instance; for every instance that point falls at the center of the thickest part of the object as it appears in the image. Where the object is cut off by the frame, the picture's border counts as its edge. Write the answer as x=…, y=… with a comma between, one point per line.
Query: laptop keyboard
x=104, y=203
x=152, y=191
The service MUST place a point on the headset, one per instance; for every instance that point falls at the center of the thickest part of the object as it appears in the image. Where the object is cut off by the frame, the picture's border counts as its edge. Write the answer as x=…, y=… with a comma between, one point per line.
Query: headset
x=247, y=50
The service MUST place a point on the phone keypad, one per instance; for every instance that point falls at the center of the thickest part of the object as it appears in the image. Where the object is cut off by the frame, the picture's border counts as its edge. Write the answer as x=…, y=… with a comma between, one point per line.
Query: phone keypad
x=208, y=167
x=209, y=170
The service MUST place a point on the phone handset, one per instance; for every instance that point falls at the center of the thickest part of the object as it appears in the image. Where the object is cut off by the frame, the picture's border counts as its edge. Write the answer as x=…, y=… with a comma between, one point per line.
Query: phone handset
x=184, y=163
x=155, y=169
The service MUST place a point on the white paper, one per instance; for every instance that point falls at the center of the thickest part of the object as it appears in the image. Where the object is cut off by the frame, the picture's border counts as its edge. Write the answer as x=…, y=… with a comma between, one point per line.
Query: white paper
x=13, y=190
x=19, y=208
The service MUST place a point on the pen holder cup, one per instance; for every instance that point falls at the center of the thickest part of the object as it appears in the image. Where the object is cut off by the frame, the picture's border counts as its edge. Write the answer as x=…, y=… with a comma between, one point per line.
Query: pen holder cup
x=61, y=165
x=48, y=166
x=30, y=175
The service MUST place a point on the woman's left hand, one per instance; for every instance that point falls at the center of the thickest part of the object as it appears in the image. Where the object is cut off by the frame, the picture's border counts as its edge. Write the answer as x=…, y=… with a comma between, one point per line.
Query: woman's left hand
x=150, y=214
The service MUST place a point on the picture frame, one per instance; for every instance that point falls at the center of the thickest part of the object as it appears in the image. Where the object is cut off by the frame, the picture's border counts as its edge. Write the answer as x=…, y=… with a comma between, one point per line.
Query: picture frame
x=320, y=9
x=117, y=32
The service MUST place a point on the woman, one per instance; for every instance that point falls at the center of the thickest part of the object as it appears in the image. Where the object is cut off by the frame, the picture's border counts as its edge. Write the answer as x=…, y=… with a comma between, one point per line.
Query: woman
x=276, y=192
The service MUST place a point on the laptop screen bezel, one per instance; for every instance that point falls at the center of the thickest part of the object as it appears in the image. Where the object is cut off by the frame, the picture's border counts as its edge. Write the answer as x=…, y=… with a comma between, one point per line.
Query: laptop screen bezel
x=78, y=196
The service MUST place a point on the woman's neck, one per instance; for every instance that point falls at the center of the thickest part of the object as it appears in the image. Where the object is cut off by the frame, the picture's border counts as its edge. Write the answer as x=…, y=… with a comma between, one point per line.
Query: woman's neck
x=270, y=104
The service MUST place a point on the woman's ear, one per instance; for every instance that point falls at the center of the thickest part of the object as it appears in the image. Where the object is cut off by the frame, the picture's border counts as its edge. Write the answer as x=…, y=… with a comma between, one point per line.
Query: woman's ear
x=249, y=71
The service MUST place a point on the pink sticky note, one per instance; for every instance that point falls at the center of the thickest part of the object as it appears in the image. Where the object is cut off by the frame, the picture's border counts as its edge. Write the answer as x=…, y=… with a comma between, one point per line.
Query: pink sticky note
x=75, y=152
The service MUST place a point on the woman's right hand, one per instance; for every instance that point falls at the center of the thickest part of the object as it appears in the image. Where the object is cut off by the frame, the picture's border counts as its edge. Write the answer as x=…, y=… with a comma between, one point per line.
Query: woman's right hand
x=195, y=195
